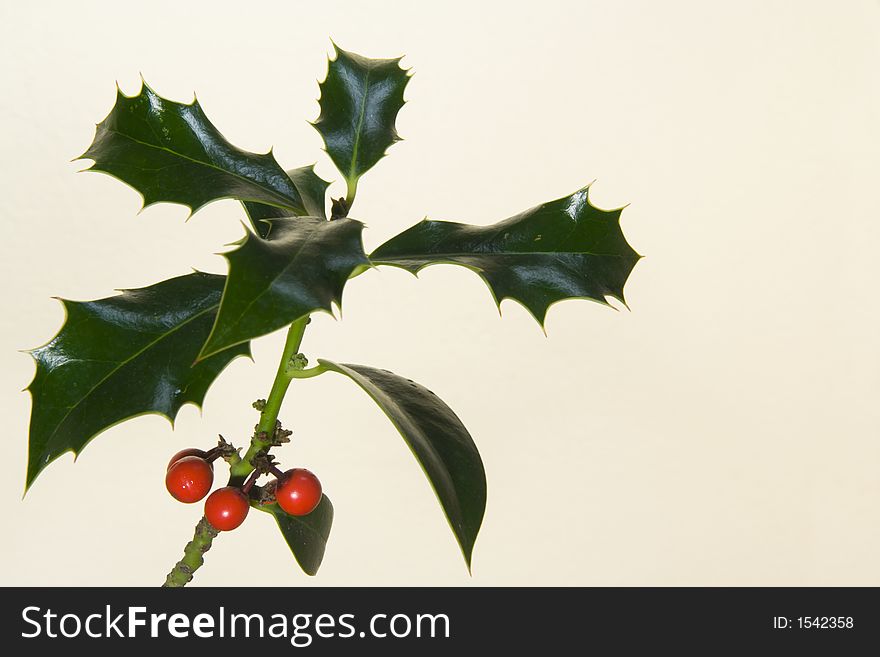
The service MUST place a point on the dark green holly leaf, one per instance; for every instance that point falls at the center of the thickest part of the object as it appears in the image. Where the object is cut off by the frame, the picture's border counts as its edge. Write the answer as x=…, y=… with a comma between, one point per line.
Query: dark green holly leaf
x=123, y=356
x=306, y=536
x=438, y=440
x=563, y=249
x=360, y=99
x=301, y=267
x=171, y=152
x=312, y=189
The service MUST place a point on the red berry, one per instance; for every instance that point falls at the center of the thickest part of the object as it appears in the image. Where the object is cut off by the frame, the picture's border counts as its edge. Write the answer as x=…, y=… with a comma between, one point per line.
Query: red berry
x=298, y=492
x=190, y=479
x=226, y=508
x=191, y=451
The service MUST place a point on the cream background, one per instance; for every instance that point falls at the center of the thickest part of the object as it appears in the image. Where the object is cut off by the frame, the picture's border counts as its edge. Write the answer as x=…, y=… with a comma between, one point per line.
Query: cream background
x=723, y=432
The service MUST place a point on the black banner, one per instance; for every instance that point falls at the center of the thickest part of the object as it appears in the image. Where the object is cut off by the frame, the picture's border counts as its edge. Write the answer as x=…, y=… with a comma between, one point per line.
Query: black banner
x=406, y=621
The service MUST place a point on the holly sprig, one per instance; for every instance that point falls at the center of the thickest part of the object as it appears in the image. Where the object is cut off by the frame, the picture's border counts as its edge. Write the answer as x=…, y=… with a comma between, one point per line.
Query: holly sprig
x=154, y=349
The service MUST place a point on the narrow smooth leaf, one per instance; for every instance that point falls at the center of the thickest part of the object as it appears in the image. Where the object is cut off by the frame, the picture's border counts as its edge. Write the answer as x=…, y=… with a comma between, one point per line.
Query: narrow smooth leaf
x=312, y=189
x=306, y=536
x=120, y=357
x=438, y=440
x=170, y=151
x=301, y=267
x=360, y=99
x=564, y=249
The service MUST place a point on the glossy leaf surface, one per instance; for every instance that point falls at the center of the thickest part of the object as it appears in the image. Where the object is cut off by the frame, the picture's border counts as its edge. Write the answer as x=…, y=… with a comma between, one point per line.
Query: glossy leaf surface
x=563, y=249
x=312, y=189
x=301, y=267
x=170, y=151
x=306, y=536
x=123, y=356
x=360, y=99
x=438, y=440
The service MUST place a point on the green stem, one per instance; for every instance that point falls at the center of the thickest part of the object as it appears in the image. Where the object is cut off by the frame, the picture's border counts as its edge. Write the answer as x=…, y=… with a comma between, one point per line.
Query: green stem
x=239, y=469
x=266, y=428
x=193, y=555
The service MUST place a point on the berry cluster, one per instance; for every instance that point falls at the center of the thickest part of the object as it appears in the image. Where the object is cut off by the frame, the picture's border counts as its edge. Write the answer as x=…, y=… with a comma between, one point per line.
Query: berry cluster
x=190, y=475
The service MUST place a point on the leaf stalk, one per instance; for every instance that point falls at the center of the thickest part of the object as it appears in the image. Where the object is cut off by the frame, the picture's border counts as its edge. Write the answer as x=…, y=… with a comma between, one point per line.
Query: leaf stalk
x=308, y=373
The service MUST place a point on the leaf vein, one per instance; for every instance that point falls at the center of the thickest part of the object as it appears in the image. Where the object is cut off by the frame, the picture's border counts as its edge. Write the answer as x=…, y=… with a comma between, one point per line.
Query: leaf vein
x=357, y=131
x=211, y=165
